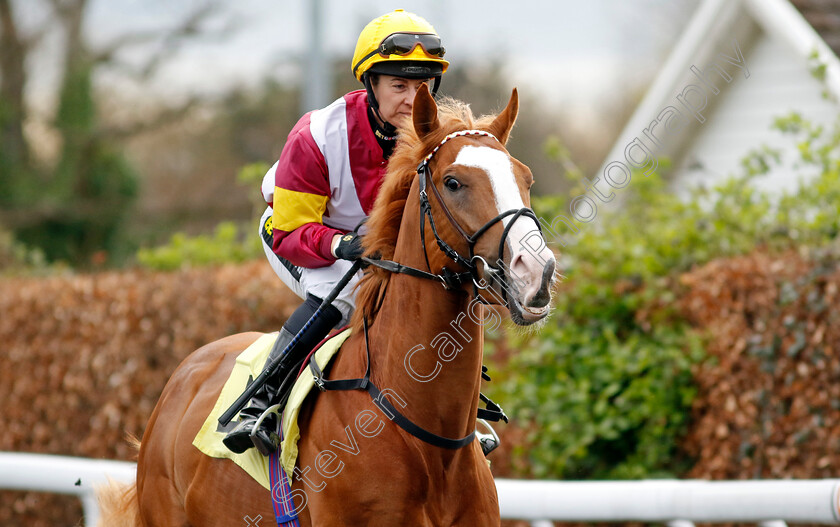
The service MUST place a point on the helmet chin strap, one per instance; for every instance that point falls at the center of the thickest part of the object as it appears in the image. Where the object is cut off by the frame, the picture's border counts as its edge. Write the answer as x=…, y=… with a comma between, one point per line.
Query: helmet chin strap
x=387, y=127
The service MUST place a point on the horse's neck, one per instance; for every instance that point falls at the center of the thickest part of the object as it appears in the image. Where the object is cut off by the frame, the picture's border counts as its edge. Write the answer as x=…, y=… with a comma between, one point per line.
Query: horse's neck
x=426, y=347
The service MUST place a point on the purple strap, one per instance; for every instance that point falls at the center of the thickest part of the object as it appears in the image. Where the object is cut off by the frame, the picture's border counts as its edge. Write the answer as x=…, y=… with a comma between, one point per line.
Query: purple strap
x=281, y=492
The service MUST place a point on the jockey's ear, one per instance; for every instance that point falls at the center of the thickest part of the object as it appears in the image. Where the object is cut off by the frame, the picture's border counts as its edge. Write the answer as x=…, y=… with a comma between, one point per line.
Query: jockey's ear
x=503, y=123
x=424, y=113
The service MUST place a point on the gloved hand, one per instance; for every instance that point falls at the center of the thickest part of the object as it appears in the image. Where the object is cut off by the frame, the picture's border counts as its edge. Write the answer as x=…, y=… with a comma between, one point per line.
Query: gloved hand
x=349, y=247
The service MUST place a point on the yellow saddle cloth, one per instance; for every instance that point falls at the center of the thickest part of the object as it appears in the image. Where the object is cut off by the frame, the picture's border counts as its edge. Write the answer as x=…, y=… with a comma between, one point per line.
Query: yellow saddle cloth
x=249, y=363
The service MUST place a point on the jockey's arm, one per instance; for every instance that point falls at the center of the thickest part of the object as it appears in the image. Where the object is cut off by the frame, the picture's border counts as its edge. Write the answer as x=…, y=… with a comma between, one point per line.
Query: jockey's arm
x=299, y=200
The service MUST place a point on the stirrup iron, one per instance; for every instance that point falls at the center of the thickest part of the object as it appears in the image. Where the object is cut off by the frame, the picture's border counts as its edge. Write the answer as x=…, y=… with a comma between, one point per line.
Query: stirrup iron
x=258, y=425
x=489, y=441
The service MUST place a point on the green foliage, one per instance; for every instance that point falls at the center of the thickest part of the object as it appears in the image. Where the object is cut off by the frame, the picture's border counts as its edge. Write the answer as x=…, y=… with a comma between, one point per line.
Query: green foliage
x=75, y=212
x=85, y=207
x=818, y=67
x=225, y=245
x=607, y=382
x=811, y=214
x=604, y=406
x=16, y=259
x=252, y=174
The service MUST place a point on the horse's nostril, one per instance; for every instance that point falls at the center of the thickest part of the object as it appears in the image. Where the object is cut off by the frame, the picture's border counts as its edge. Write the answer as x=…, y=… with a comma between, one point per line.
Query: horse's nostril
x=548, y=273
x=543, y=296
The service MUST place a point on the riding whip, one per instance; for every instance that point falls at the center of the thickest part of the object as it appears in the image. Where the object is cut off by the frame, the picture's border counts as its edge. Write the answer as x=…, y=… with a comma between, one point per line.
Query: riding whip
x=273, y=366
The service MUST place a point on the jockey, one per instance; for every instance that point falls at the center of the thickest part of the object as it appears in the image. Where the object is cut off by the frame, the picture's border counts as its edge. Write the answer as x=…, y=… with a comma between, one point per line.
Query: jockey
x=325, y=184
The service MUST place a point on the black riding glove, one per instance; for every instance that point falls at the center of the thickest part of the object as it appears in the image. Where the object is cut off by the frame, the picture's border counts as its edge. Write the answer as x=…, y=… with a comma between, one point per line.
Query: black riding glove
x=349, y=247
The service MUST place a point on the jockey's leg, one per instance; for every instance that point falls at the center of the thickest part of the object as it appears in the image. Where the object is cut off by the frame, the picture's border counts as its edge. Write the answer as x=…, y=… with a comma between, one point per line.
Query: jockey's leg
x=311, y=285
x=265, y=438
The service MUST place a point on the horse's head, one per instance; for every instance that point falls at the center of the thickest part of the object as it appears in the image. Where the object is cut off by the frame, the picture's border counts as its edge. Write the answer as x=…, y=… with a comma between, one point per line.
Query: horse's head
x=477, y=200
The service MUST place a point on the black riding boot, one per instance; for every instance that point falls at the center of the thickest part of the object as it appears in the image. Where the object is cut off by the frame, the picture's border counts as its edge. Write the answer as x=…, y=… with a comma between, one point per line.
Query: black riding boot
x=265, y=438
x=238, y=440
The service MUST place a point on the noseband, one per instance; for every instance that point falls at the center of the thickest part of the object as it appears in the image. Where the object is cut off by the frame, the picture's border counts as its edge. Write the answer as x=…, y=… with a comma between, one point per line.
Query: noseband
x=449, y=278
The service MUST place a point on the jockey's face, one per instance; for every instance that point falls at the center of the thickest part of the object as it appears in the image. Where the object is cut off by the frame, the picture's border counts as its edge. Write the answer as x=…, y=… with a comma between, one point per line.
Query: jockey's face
x=396, y=97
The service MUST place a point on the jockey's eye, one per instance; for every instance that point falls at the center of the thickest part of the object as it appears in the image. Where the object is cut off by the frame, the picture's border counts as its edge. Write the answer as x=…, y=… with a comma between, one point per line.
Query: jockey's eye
x=452, y=184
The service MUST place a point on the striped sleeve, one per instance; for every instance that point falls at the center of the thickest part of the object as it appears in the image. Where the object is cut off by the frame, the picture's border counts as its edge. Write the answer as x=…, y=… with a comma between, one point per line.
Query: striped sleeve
x=301, y=193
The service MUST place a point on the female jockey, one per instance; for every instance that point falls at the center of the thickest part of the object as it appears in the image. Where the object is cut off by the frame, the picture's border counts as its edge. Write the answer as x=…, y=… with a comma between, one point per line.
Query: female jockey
x=325, y=183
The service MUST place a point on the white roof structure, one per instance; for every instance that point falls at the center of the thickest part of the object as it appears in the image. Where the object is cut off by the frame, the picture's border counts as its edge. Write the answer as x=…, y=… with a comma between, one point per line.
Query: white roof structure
x=738, y=65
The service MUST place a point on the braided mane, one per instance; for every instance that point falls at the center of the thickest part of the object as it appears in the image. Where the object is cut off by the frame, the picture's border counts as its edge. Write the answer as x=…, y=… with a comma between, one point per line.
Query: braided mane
x=386, y=216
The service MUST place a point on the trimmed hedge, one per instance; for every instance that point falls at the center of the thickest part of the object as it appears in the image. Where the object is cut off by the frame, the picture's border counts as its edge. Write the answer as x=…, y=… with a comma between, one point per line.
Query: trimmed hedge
x=768, y=406
x=84, y=358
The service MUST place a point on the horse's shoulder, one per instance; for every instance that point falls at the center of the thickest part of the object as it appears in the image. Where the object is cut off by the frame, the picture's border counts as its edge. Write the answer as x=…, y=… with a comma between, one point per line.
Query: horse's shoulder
x=350, y=359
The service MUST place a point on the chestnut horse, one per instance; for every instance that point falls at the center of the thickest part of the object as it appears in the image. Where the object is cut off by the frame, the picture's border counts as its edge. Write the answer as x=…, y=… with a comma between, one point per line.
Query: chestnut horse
x=355, y=466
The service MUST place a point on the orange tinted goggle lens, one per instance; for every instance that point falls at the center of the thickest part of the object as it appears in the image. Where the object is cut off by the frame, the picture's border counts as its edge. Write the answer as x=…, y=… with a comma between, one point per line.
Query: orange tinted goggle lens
x=404, y=43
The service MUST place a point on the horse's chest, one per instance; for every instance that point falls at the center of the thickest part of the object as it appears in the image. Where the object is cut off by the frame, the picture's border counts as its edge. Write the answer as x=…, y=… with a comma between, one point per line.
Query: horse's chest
x=386, y=485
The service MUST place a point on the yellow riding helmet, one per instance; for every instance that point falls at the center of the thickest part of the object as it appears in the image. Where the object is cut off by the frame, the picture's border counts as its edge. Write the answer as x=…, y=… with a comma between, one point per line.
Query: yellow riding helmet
x=399, y=43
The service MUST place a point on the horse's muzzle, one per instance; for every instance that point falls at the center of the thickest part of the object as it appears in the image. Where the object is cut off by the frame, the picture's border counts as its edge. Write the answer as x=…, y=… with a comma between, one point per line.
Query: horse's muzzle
x=528, y=302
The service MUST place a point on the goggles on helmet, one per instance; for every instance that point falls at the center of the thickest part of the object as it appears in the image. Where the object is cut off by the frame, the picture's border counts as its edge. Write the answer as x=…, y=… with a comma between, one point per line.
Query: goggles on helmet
x=404, y=43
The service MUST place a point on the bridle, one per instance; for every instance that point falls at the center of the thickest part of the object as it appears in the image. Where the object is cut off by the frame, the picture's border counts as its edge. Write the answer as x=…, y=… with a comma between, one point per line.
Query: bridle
x=454, y=280
x=451, y=281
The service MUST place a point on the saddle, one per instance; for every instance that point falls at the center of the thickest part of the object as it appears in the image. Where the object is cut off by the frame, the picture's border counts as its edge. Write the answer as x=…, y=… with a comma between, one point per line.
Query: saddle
x=248, y=365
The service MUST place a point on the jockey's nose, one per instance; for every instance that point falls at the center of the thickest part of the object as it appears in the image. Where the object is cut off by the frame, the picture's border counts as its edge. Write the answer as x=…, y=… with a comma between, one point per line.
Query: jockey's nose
x=409, y=96
x=411, y=92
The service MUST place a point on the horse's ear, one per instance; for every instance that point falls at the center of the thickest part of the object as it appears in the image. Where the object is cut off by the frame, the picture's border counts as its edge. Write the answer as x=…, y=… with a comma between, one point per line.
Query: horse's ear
x=424, y=113
x=503, y=123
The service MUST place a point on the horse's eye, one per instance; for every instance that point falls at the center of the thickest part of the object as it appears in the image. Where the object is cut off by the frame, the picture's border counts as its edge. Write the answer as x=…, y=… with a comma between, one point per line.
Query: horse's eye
x=452, y=184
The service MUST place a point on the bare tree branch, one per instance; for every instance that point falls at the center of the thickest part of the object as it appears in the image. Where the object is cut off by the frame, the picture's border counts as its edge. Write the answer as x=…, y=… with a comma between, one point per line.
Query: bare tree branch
x=163, y=118
x=171, y=41
x=190, y=28
x=107, y=53
x=67, y=8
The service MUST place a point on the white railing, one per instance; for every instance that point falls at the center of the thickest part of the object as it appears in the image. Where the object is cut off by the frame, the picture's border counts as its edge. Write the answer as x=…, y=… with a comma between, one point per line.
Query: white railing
x=678, y=503
x=62, y=475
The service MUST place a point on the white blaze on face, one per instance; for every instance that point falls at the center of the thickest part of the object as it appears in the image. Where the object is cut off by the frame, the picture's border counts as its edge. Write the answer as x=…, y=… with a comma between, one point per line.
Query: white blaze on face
x=527, y=263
